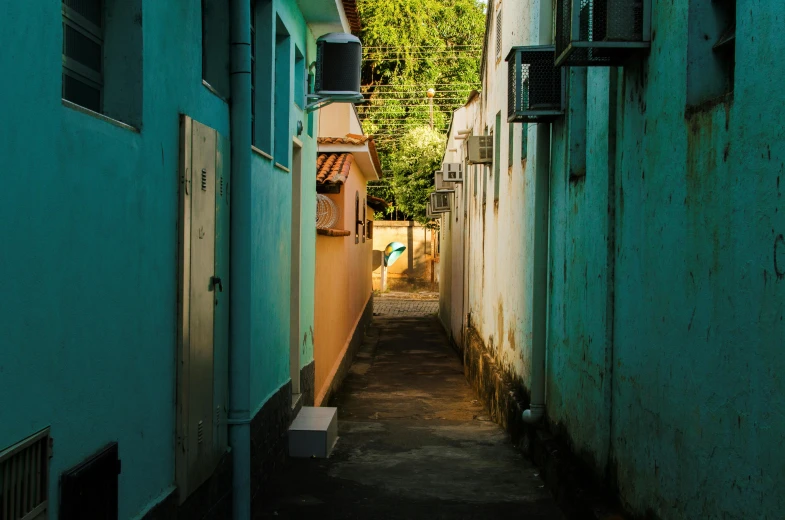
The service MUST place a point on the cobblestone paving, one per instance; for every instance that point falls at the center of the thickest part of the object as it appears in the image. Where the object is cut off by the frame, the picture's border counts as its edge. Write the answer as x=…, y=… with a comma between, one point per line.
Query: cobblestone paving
x=398, y=307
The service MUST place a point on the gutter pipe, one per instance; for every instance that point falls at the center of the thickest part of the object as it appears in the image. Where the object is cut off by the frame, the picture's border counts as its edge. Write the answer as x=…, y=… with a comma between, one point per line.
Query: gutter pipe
x=541, y=217
x=239, y=420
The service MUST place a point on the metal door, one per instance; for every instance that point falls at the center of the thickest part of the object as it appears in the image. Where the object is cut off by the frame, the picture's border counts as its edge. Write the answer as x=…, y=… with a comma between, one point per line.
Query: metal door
x=203, y=320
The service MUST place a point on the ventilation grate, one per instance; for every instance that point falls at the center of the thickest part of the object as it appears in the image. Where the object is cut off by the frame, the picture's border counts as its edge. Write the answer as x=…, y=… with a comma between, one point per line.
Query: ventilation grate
x=90, y=9
x=200, y=432
x=499, y=35
x=600, y=32
x=535, y=85
x=24, y=478
x=89, y=491
x=204, y=179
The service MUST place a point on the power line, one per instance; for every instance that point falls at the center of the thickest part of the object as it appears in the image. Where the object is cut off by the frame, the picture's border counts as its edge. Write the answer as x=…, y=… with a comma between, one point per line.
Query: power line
x=400, y=96
x=476, y=45
x=417, y=84
x=416, y=58
x=418, y=94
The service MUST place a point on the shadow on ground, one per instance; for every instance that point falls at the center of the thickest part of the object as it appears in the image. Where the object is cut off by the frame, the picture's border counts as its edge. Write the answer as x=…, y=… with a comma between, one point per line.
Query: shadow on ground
x=414, y=443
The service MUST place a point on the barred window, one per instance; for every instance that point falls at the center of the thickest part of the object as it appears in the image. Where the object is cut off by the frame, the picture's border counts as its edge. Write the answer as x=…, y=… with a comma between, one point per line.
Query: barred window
x=83, y=51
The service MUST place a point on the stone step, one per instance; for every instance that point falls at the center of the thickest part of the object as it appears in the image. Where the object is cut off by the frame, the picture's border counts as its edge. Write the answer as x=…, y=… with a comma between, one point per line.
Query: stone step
x=313, y=432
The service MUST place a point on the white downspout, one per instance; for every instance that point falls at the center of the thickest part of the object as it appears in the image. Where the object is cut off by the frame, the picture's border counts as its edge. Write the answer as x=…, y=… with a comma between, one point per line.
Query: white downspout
x=539, y=303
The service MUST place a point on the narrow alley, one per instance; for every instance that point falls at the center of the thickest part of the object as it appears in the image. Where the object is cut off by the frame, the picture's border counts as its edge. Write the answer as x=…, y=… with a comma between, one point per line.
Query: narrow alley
x=414, y=441
x=376, y=259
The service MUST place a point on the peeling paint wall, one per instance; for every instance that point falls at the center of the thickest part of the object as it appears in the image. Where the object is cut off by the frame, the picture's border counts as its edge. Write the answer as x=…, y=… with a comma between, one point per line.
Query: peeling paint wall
x=666, y=283
x=698, y=406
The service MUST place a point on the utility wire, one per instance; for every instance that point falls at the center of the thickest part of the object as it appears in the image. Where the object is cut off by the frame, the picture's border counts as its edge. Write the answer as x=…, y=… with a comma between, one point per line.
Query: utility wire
x=416, y=84
x=461, y=45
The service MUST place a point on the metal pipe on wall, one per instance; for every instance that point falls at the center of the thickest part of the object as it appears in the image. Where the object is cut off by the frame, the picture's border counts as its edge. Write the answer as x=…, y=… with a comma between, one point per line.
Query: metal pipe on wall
x=240, y=240
x=539, y=303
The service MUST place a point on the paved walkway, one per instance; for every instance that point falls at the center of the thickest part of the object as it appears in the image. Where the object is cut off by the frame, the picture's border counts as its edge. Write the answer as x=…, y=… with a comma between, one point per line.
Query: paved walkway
x=400, y=307
x=414, y=443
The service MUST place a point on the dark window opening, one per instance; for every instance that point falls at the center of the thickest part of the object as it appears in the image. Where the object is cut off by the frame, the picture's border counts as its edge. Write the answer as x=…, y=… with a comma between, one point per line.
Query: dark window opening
x=83, y=50
x=711, y=50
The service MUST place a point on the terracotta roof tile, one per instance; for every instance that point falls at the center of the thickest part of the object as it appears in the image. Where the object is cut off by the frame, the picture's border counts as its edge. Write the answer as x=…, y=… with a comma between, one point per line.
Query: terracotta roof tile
x=349, y=139
x=333, y=168
x=350, y=8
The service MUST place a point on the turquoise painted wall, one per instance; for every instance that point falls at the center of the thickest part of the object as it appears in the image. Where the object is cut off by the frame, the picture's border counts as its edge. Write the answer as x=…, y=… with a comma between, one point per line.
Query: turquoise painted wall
x=91, y=208
x=89, y=212
x=271, y=271
x=679, y=402
x=578, y=275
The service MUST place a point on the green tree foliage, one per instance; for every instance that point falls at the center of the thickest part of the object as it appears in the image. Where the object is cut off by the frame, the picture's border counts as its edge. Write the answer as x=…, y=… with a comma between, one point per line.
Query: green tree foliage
x=418, y=154
x=409, y=47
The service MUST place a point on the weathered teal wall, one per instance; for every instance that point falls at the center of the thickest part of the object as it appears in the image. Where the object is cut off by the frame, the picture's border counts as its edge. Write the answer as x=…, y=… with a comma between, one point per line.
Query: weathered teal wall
x=666, y=269
x=578, y=391
x=89, y=249
x=698, y=397
x=680, y=403
x=272, y=193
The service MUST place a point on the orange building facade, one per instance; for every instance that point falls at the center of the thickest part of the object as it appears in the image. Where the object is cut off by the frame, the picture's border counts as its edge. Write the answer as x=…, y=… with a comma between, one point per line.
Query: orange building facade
x=346, y=161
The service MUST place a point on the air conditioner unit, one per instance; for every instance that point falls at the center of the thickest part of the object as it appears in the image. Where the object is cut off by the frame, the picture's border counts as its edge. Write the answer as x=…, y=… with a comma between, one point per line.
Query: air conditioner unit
x=429, y=212
x=440, y=201
x=338, y=63
x=440, y=184
x=601, y=32
x=452, y=172
x=480, y=149
x=535, y=92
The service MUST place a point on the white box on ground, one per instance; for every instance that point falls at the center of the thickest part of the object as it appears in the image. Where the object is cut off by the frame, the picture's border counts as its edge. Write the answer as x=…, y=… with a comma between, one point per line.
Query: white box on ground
x=313, y=432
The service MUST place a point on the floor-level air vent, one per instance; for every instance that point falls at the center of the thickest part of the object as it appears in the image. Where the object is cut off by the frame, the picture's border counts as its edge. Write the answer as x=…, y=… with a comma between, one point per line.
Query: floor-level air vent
x=24, y=478
x=89, y=491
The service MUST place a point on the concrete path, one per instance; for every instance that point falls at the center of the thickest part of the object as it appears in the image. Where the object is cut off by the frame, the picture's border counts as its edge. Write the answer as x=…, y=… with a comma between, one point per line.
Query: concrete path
x=414, y=442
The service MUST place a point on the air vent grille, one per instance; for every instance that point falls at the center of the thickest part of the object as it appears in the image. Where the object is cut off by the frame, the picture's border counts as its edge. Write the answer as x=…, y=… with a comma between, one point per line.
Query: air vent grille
x=24, y=478
x=204, y=179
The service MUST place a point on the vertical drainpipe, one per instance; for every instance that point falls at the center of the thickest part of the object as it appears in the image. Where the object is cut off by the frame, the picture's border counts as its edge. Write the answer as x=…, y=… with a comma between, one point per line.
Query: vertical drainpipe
x=240, y=239
x=541, y=224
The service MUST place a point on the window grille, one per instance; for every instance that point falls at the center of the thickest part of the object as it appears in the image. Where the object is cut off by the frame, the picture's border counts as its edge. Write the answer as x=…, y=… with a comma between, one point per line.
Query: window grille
x=499, y=35
x=83, y=50
x=24, y=478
